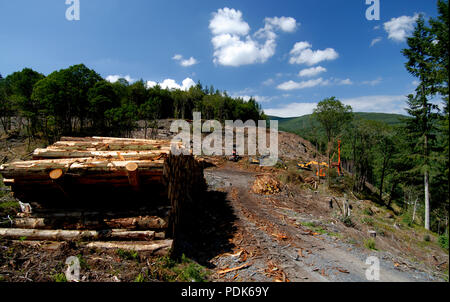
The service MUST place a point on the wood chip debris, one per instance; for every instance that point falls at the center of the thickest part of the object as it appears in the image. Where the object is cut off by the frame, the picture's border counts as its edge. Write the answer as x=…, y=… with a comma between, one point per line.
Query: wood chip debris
x=226, y=271
x=266, y=185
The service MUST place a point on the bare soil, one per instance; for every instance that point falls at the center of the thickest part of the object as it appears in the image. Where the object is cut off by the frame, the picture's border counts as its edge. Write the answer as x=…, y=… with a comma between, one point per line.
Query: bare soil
x=274, y=238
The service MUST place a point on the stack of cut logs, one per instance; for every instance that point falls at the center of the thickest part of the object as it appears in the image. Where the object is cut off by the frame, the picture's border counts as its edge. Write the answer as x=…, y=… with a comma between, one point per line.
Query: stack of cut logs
x=109, y=190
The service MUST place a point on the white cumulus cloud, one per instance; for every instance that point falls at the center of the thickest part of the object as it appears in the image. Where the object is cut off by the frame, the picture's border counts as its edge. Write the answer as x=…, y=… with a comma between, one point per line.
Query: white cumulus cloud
x=233, y=46
x=400, y=28
x=189, y=62
x=345, y=82
x=185, y=62
x=302, y=53
x=228, y=21
x=172, y=84
x=286, y=24
x=311, y=72
x=177, y=57
x=292, y=85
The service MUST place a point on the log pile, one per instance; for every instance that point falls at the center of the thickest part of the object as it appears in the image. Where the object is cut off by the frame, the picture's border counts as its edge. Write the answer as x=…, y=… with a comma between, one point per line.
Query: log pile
x=266, y=185
x=94, y=168
x=103, y=189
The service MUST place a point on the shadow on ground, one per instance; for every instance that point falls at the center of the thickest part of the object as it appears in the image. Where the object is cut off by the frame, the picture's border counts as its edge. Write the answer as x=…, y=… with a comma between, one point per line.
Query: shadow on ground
x=212, y=223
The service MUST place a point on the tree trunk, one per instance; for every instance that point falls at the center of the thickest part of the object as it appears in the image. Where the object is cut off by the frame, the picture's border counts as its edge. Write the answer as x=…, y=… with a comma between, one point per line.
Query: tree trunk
x=78, y=167
x=159, y=247
x=414, y=211
x=427, y=202
x=62, y=235
x=394, y=186
x=79, y=223
x=51, y=153
x=426, y=184
x=383, y=171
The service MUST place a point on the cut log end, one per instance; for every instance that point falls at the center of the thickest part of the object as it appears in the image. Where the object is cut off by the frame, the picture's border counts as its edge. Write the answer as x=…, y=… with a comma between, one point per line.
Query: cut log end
x=133, y=175
x=56, y=174
x=131, y=167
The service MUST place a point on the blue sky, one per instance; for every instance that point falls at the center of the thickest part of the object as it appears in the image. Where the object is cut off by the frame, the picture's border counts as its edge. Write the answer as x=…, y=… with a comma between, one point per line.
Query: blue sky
x=287, y=54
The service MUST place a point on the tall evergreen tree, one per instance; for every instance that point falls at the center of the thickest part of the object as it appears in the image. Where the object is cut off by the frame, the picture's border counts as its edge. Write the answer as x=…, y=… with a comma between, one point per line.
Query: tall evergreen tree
x=421, y=64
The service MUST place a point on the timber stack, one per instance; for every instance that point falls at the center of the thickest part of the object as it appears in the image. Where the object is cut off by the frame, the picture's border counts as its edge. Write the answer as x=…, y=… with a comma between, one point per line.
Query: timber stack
x=110, y=192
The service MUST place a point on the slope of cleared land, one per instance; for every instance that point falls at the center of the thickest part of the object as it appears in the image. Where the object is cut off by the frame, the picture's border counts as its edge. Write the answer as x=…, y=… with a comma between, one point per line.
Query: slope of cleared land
x=291, y=235
x=295, y=236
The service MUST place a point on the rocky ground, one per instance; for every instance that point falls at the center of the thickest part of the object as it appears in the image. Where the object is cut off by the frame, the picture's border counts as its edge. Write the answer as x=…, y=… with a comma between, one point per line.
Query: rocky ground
x=294, y=237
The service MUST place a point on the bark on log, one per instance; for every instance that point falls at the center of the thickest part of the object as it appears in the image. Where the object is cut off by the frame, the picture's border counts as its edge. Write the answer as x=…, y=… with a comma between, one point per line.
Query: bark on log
x=39, y=169
x=107, y=139
x=62, y=235
x=157, y=247
x=159, y=213
x=112, y=146
x=123, y=139
x=127, y=155
x=80, y=223
x=183, y=176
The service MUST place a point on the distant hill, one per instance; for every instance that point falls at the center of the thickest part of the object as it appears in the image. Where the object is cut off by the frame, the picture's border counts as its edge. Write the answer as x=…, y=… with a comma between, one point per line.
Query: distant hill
x=304, y=123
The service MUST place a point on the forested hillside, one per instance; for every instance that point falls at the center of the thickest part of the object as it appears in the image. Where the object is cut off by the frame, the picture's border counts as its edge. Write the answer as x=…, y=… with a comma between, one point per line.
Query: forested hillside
x=305, y=124
x=78, y=101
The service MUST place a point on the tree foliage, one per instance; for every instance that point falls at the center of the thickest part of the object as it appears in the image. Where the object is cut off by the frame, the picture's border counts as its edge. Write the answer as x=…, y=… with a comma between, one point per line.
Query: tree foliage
x=78, y=101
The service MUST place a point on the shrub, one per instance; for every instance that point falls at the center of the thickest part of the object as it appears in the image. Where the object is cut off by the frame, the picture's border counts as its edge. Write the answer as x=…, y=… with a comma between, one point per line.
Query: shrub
x=370, y=244
x=368, y=212
x=127, y=255
x=367, y=221
x=427, y=238
x=407, y=219
x=347, y=222
x=61, y=277
x=443, y=241
x=291, y=177
x=139, y=278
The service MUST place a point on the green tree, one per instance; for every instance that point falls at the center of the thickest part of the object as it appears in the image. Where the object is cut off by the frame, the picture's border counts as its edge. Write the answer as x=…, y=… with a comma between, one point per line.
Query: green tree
x=64, y=101
x=6, y=106
x=421, y=64
x=440, y=31
x=19, y=90
x=385, y=148
x=332, y=115
x=102, y=97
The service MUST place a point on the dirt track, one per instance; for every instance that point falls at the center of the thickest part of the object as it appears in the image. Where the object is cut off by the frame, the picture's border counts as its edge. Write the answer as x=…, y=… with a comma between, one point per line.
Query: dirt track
x=271, y=240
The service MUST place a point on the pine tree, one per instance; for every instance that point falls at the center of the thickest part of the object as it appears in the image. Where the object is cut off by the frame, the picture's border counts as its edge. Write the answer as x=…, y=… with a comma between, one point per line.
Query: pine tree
x=421, y=64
